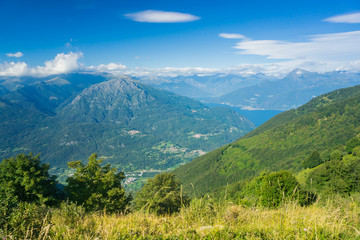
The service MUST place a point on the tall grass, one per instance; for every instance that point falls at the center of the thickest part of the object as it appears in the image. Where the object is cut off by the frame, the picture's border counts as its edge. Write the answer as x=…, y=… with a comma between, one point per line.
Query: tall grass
x=337, y=218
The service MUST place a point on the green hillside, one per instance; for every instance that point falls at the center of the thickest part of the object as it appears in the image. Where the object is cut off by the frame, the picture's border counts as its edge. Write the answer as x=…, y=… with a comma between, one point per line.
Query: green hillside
x=281, y=143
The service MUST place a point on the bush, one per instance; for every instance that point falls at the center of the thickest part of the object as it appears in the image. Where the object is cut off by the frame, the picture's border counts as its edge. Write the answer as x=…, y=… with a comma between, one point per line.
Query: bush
x=313, y=160
x=96, y=187
x=25, y=179
x=161, y=195
x=26, y=219
x=337, y=176
x=274, y=188
x=26, y=189
x=69, y=214
x=352, y=143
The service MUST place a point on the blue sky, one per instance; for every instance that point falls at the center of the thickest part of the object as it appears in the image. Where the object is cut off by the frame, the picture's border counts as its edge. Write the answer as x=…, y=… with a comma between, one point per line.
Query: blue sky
x=61, y=36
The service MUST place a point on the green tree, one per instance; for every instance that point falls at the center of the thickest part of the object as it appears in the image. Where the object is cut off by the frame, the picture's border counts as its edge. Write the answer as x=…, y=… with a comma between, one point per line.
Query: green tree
x=25, y=179
x=313, y=160
x=337, y=176
x=161, y=195
x=336, y=155
x=97, y=187
x=352, y=143
x=25, y=188
x=272, y=189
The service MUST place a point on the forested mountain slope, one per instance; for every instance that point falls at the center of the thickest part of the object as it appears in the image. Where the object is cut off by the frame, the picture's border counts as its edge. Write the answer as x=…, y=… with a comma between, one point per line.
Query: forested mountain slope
x=131, y=125
x=281, y=143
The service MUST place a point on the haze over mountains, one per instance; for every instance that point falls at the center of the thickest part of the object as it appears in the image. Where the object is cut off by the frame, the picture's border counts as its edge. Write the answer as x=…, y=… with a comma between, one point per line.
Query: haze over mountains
x=132, y=125
x=258, y=91
x=203, y=87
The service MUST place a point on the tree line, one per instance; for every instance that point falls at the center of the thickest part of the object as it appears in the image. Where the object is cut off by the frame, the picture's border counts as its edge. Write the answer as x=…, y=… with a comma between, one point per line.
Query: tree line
x=27, y=189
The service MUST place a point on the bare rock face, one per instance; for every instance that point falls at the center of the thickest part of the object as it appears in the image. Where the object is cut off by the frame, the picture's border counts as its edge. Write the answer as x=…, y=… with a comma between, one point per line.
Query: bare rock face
x=113, y=100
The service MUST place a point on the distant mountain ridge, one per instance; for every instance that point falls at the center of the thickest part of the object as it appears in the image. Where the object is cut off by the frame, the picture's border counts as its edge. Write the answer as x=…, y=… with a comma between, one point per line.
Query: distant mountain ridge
x=130, y=124
x=295, y=89
x=256, y=91
x=205, y=87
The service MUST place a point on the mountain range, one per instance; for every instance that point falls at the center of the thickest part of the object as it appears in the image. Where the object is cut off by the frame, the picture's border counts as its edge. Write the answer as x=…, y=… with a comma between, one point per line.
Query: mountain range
x=293, y=90
x=205, y=87
x=256, y=91
x=128, y=123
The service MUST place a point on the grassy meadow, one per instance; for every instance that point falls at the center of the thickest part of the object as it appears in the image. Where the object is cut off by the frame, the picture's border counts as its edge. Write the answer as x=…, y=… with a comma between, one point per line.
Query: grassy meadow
x=205, y=218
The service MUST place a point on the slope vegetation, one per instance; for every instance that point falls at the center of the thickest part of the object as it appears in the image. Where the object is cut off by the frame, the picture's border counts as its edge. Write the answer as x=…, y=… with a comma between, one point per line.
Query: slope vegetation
x=281, y=143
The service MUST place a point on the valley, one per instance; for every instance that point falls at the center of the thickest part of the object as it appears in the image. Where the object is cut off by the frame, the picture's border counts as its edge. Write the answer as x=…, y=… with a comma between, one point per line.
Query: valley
x=131, y=125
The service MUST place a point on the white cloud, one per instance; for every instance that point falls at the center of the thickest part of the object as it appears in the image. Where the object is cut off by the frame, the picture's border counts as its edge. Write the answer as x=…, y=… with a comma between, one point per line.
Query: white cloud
x=13, y=69
x=232, y=35
x=62, y=63
x=173, y=71
x=155, y=16
x=353, y=66
x=276, y=69
x=17, y=54
x=324, y=47
x=345, y=18
x=111, y=68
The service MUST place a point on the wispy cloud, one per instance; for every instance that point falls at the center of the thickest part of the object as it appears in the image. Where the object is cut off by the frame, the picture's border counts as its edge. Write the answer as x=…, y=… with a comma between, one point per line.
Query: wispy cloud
x=155, y=16
x=345, y=18
x=323, y=47
x=232, y=35
x=17, y=54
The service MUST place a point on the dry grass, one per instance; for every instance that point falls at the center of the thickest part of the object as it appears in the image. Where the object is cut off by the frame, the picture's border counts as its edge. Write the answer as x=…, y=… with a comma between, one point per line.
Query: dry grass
x=204, y=219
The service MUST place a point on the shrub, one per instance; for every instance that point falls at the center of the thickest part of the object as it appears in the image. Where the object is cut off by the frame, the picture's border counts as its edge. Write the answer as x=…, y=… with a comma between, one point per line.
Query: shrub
x=272, y=189
x=25, y=179
x=337, y=176
x=313, y=160
x=161, y=195
x=26, y=189
x=24, y=220
x=68, y=214
x=352, y=143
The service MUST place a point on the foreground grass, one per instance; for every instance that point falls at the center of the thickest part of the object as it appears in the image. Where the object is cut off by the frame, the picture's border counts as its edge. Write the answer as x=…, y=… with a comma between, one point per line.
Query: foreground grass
x=204, y=219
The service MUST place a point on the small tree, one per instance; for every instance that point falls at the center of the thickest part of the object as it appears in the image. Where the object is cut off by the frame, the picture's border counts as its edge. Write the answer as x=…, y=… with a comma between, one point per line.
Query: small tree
x=25, y=179
x=25, y=188
x=313, y=160
x=96, y=187
x=352, y=143
x=272, y=189
x=161, y=195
